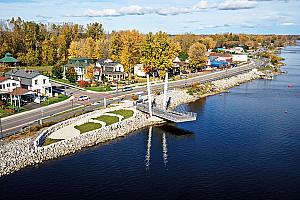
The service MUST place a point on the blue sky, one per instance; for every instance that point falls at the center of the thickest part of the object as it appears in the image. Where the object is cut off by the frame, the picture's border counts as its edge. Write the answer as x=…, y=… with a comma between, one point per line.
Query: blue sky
x=172, y=16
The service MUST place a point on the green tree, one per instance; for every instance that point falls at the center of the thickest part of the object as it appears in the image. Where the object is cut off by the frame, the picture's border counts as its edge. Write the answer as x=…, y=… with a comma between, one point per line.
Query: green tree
x=95, y=31
x=57, y=71
x=183, y=56
x=197, y=55
x=71, y=74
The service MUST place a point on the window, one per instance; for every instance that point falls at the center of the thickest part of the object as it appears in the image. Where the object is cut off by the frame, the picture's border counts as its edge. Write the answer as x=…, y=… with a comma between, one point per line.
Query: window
x=8, y=84
x=44, y=81
x=14, y=84
x=35, y=82
x=0, y=86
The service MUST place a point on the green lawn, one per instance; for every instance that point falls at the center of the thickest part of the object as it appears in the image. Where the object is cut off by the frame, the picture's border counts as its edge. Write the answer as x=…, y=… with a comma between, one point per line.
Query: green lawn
x=5, y=113
x=53, y=100
x=63, y=81
x=47, y=69
x=108, y=119
x=49, y=141
x=125, y=113
x=90, y=126
x=99, y=88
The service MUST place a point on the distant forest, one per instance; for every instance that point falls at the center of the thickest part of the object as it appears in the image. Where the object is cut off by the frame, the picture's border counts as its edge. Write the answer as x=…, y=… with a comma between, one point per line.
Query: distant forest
x=36, y=44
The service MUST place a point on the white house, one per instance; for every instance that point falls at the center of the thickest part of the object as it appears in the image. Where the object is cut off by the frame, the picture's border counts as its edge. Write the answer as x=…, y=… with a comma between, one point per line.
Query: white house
x=139, y=70
x=239, y=57
x=80, y=65
x=31, y=80
x=220, y=57
x=7, y=85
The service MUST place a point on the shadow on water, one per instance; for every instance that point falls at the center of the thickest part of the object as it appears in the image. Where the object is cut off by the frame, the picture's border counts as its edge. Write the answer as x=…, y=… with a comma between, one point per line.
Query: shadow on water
x=172, y=129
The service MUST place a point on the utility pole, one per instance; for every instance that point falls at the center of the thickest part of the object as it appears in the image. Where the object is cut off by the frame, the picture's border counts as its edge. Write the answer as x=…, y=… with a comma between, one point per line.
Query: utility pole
x=149, y=95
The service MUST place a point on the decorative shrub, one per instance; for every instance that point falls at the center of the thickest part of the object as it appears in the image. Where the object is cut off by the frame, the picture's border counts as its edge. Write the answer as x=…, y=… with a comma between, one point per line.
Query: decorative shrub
x=83, y=84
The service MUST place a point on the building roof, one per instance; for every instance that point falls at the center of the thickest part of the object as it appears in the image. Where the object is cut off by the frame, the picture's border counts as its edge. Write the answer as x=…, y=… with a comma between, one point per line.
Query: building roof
x=25, y=76
x=81, y=59
x=176, y=60
x=104, y=60
x=220, y=54
x=20, y=91
x=3, y=79
x=8, y=59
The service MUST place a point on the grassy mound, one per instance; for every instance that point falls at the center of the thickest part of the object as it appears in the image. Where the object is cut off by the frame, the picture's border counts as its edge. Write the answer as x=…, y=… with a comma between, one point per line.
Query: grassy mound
x=108, y=119
x=90, y=126
x=125, y=113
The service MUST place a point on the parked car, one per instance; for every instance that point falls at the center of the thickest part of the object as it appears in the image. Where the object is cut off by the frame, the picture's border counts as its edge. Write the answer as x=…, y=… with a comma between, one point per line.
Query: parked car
x=83, y=98
x=125, y=89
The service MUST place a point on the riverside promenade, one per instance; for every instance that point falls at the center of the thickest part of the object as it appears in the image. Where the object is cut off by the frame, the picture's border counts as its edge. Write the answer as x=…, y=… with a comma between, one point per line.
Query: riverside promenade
x=20, y=121
x=18, y=154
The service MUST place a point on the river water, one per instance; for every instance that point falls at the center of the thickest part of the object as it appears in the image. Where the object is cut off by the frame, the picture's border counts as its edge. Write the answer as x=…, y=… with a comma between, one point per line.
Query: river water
x=244, y=145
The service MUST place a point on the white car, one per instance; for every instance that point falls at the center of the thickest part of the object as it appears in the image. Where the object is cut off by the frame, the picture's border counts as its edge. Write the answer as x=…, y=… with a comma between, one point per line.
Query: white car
x=125, y=89
x=83, y=98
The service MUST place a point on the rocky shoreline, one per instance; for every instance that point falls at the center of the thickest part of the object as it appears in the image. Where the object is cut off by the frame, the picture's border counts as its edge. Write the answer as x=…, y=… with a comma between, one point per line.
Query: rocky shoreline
x=19, y=154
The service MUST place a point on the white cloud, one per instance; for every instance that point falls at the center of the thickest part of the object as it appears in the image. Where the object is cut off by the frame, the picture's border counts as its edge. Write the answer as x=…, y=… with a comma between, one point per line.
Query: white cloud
x=236, y=4
x=204, y=5
x=288, y=24
x=134, y=10
x=138, y=10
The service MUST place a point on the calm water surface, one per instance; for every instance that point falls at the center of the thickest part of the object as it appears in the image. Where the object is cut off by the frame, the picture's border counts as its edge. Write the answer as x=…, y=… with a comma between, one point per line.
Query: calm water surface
x=244, y=145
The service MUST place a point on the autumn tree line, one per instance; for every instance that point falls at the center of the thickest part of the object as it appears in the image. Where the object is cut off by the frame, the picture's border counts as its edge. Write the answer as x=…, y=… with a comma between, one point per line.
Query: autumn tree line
x=36, y=44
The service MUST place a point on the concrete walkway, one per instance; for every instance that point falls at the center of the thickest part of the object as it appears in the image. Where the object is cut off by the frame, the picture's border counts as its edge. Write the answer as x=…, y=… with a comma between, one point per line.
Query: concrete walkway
x=70, y=130
x=65, y=133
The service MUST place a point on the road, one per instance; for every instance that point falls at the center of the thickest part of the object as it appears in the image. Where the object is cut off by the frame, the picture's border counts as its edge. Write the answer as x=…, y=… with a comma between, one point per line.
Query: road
x=15, y=123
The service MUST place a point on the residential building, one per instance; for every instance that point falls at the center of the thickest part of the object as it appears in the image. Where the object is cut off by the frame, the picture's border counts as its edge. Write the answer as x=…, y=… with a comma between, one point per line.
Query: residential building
x=139, y=70
x=239, y=58
x=220, y=57
x=110, y=70
x=31, y=80
x=7, y=84
x=80, y=65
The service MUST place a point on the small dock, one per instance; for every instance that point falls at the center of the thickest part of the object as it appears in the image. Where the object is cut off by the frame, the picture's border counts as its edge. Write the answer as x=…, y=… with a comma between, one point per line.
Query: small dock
x=168, y=115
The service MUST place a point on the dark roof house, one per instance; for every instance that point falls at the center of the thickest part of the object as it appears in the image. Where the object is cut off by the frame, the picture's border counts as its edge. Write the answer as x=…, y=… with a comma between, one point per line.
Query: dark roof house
x=25, y=76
